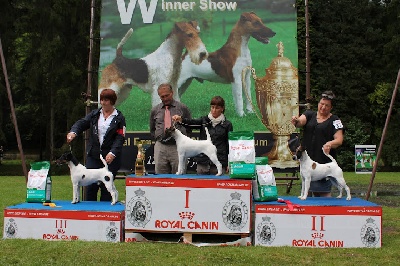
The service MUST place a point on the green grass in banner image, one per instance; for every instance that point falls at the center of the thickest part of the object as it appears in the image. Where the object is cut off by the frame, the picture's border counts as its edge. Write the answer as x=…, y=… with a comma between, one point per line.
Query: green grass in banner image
x=197, y=97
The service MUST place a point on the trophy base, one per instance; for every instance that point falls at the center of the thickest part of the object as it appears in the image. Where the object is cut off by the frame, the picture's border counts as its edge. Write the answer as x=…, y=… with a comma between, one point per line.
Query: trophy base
x=283, y=164
x=280, y=155
x=139, y=170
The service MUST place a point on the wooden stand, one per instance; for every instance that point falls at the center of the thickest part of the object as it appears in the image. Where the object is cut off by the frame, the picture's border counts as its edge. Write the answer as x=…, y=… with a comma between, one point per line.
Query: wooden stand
x=289, y=175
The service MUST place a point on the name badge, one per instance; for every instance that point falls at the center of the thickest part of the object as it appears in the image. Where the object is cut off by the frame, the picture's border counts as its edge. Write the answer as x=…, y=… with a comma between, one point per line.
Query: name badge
x=337, y=124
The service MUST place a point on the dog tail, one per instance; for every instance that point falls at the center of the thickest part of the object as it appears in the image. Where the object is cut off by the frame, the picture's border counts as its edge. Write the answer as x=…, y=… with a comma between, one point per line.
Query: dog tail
x=329, y=156
x=208, y=134
x=104, y=161
x=124, y=40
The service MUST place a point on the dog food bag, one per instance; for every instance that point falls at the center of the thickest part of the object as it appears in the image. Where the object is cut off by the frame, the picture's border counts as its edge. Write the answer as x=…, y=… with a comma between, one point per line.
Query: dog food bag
x=241, y=155
x=264, y=187
x=241, y=147
x=39, y=183
x=259, y=161
x=242, y=170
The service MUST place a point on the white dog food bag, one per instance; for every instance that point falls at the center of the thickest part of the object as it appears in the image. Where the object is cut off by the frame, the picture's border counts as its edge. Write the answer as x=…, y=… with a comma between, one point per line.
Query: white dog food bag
x=241, y=155
x=241, y=147
x=38, y=188
x=264, y=186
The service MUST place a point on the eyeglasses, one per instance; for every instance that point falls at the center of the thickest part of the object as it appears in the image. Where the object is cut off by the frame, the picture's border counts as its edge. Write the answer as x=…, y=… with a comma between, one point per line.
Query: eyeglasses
x=330, y=97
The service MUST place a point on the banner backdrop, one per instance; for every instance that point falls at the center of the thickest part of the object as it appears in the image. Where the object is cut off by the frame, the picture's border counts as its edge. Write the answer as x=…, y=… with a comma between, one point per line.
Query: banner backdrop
x=153, y=22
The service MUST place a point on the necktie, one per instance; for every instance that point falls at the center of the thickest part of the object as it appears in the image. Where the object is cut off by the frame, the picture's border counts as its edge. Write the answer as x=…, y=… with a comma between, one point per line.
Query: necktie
x=167, y=117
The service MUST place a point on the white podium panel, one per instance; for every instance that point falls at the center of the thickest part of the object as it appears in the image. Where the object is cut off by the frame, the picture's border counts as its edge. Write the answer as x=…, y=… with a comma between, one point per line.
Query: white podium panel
x=92, y=221
x=319, y=223
x=190, y=203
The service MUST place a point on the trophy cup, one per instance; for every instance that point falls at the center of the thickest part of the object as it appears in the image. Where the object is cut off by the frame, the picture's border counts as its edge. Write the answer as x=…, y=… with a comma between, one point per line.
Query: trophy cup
x=277, y=100
x=140, y=168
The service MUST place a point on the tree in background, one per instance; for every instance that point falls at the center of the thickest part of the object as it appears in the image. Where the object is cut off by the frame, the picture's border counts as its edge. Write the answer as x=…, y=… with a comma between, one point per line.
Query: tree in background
x=348, y=41
x=354, y=52
x=47, y=64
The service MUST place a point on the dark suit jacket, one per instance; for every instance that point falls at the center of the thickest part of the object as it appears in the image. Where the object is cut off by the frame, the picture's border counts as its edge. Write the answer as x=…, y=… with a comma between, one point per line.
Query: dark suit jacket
x=113, y=139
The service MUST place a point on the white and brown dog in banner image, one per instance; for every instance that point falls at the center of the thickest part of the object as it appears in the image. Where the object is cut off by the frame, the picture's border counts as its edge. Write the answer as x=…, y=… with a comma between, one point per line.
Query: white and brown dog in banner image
x=161, y=66
x=226, y=64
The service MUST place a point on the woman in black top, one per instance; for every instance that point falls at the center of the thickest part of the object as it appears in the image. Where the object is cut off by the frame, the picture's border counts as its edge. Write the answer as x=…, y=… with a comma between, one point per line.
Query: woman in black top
x=218, y=127
x=322, y=129
x=106, y=136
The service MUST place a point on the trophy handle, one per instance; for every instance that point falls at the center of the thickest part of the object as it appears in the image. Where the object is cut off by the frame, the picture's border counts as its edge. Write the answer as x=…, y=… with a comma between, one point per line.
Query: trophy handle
x=253, y=72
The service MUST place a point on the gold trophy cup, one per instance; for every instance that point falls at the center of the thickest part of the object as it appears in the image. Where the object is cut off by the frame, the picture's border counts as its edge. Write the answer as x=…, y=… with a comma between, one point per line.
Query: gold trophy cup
x=140, y=168
x=277, y=100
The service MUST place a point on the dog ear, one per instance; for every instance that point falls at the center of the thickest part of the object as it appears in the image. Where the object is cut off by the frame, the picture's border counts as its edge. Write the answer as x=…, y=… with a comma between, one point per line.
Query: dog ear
x=183, y=26
x=244, y=17
x=195, y=25
x=178, y=26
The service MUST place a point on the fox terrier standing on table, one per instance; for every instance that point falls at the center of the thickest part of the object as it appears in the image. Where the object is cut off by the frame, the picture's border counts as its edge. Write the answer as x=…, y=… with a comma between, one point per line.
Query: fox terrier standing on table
x=313, y=171
x=188, y=147
x=81, y=176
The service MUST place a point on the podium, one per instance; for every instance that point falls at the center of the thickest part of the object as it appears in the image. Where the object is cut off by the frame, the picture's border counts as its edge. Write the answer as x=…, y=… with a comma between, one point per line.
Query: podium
x=318, y=222
x=188, y=204
x=204, y=206
x=87, y=220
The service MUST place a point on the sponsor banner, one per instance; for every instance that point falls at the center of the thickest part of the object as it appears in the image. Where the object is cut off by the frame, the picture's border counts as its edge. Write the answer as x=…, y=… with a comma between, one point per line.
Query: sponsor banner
x=193, y=208
x=147, y=54
x=318, y=230
x=62, y=229
x=365, y=158
x=134, y=62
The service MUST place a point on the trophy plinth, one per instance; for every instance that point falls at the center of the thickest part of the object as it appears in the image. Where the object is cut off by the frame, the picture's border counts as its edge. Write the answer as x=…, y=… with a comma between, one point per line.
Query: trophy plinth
x=277, y=100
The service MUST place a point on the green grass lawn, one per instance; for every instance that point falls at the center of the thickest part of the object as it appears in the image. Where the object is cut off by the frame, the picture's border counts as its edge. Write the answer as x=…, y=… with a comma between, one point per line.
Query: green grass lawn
x=40, y=252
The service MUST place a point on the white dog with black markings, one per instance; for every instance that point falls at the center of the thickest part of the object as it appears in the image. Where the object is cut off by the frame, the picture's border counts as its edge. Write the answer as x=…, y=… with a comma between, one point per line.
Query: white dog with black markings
x=81, y=176
x=313, y=171
x=188, y=147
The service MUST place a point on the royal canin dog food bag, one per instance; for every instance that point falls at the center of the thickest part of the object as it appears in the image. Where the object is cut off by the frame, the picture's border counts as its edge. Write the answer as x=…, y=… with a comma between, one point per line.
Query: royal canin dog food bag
x=264, y=186
x=38, y=188
x=242, y=154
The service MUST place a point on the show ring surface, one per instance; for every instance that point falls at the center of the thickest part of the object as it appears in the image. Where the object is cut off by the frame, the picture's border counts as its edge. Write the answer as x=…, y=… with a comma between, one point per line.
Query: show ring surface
x=87, y=220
